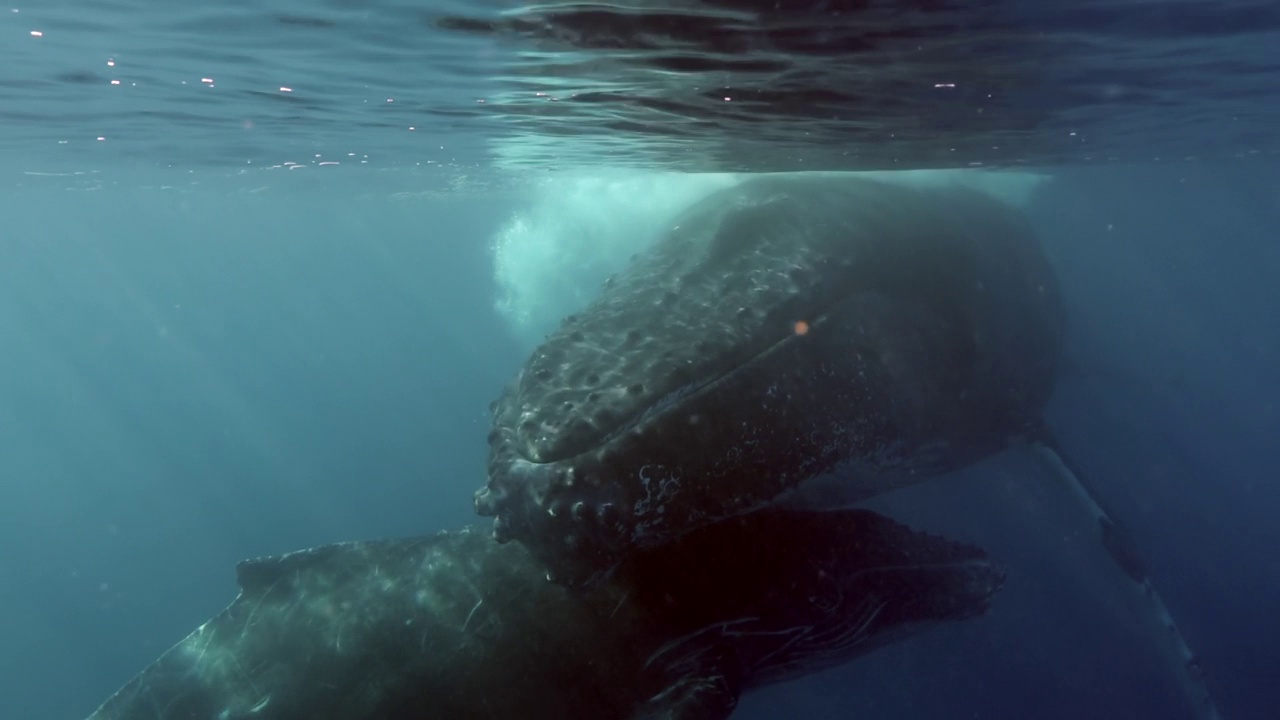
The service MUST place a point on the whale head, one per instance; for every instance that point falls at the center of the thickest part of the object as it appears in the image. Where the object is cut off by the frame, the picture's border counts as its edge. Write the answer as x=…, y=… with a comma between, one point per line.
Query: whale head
x=784, y=330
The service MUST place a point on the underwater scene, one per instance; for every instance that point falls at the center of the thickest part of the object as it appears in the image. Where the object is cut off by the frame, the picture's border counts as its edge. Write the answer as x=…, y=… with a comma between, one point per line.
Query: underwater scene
x=640, y=360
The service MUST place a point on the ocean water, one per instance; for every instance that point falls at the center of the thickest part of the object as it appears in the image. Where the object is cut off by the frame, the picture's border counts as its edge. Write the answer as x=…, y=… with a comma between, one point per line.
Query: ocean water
x=263, y=266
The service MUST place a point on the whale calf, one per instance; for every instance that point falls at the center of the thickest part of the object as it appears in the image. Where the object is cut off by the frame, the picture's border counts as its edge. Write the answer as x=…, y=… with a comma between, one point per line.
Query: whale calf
x=788, y=334
x=457, y=626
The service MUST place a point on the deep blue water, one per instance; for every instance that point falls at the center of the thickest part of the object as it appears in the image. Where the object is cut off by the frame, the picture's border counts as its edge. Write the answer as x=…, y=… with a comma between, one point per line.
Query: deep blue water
x=208, y=356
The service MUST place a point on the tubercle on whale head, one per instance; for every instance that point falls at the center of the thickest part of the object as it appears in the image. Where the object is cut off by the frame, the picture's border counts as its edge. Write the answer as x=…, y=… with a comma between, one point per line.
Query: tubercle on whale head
x=562, y=512
x=578, y=514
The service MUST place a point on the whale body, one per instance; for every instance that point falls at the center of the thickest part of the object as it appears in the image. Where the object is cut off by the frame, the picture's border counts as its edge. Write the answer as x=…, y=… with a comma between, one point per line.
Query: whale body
x=457, y=626
x=788, y=335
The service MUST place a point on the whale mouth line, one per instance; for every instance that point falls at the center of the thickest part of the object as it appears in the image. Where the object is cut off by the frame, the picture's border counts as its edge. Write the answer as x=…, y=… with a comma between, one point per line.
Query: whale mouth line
x=673, y=398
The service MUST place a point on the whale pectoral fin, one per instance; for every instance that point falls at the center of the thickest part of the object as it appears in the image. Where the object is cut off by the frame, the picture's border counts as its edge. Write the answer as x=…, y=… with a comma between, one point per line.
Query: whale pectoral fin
x=711, y=700
x=710, y=693
x=1128, y=558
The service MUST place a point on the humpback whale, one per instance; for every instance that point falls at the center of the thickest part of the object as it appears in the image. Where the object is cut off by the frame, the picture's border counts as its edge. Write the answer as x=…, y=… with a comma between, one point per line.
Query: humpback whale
x=786, y=331
x=801, y=340
x=459, y=627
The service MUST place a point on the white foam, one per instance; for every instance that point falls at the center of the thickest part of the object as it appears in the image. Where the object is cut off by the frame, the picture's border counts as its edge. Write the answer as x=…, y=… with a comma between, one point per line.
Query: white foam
x=551, y=258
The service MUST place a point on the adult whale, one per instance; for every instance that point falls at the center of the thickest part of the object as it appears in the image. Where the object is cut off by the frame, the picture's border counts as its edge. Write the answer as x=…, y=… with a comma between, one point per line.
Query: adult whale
x=458, y=627
x=786, y=331
x=807, y=340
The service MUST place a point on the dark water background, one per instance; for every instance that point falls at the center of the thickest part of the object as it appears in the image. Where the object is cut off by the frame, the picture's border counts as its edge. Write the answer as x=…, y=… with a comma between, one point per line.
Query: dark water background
x=204, y=359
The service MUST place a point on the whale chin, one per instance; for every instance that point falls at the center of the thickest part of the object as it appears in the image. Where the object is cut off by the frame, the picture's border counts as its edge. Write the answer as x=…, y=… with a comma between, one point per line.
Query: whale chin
x=786, y=329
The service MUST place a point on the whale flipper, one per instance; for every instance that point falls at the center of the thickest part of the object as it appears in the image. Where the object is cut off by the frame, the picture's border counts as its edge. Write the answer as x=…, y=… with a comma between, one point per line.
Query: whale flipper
x=1183, y=664
x=459, y=627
